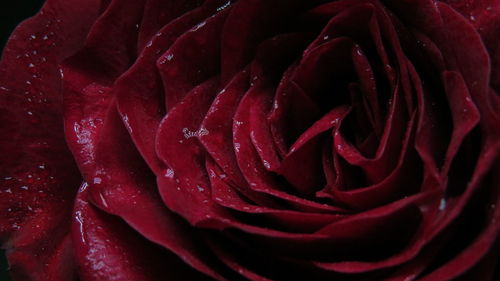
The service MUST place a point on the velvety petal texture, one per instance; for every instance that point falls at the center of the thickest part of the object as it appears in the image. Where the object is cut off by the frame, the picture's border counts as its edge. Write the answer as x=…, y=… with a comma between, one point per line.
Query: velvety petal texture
x=252, y=140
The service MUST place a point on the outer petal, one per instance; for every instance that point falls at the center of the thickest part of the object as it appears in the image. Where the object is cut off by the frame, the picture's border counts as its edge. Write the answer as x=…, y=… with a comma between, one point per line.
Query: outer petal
x=38, y=176
x=108, y=249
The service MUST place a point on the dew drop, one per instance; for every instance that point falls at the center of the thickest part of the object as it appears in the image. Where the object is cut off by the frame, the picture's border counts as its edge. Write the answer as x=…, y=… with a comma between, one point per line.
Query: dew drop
x=225, y=5
x=162, y=61
x=127, y=124
x=103, y=200
x=212, y=174
x=79, y=219
x=198, y=26
x=442, y=204
x=169, y=173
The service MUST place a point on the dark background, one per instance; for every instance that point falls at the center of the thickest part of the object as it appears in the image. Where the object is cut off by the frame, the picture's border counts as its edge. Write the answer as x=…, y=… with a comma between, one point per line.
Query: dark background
x=11, y=14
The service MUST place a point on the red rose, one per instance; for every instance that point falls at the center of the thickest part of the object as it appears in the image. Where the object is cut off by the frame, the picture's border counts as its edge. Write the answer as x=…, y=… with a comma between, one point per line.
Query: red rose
x=252, y=139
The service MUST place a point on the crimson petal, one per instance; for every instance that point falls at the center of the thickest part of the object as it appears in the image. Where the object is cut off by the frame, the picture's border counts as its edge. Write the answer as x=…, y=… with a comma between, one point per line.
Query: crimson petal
x=38, y=174
x=107, y=248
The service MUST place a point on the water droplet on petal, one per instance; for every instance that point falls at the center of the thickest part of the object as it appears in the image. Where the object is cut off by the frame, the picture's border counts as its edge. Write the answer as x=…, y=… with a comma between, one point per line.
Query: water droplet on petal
x=198, y=26
x=169, y=173
x=442, y=204
x=225, y=5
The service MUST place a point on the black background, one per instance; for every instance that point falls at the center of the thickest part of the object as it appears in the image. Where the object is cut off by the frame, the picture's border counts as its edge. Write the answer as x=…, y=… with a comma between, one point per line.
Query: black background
x=11, y=14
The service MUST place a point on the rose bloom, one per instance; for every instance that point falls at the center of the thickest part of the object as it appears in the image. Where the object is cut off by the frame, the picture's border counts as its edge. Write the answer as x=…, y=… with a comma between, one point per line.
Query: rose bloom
x=252, y=140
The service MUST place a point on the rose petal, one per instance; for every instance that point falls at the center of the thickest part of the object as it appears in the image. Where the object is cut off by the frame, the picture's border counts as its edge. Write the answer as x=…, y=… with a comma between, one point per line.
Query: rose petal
x=293, y=111
x=157, y=13
x=178, y=135
x=272, y=58
x=107, y=248
x=110, y=46
x=300, y=167
x=286, y=220
x=479, y=247
x=464, y=112
x=192, y=59
x=139, y=91
x=247, y=25
x=122, y=184
x=38, y=174
x=250, y=164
